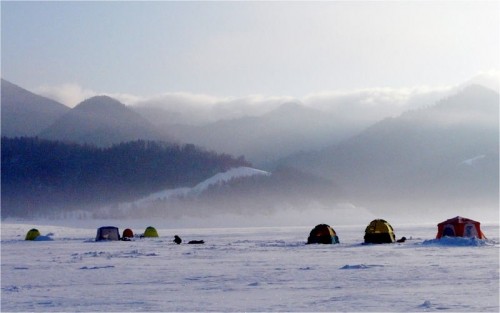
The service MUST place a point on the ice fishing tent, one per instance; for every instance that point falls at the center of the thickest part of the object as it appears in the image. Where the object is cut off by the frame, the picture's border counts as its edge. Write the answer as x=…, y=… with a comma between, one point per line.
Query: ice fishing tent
x=379, y=231
x=460, y=227
x=323, y=233
x=150, y=232
x=32, y=234
x=107, y=233
x=128, y=233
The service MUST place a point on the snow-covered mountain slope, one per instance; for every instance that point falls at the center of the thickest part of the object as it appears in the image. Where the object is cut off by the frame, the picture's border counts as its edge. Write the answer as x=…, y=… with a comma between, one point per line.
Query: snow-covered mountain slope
x=227, y=176
x=474, y=160
x=217, y=179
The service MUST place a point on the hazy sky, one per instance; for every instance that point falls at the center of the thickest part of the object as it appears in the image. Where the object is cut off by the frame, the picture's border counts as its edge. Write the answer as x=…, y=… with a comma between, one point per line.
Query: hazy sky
x=236, y=49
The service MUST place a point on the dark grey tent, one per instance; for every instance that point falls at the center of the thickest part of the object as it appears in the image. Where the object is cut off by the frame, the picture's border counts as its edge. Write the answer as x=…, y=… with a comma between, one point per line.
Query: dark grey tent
x=107, y=233
x=323, y=233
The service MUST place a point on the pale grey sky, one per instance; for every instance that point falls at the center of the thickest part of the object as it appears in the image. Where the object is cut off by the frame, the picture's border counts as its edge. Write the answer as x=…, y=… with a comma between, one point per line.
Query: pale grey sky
x=237, y=49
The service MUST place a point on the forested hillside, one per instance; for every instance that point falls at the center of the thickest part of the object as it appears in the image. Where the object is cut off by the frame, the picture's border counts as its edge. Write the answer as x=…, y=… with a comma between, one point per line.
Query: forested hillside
x=41, y=176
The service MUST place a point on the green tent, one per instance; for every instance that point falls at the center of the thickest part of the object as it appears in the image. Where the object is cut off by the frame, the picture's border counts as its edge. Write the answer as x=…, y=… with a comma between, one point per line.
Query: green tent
x=150, y=232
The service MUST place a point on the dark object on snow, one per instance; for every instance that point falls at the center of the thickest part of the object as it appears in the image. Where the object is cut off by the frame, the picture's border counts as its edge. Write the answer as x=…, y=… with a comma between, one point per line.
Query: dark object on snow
x=403, y=239
x=379, y=231
x=196, y=242
x=177, y=239
x=323, y=233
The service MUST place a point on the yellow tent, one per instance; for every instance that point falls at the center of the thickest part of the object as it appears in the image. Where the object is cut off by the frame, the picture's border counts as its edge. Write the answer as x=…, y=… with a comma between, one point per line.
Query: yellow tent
x=32, y=234
x=379, y=231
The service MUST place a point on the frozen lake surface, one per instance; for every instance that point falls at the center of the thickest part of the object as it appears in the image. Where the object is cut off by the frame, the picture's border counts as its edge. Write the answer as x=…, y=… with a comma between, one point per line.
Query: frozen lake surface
x=247, y=269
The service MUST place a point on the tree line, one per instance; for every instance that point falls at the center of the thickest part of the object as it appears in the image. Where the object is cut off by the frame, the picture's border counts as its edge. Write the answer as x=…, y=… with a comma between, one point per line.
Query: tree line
x=42, y=176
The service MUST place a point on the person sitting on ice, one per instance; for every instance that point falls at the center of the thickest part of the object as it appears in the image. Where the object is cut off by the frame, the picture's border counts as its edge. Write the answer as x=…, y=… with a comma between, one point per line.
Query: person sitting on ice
x=177, y=239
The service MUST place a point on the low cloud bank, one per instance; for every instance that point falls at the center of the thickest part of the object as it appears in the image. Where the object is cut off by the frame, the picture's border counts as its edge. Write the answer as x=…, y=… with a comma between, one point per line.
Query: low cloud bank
x=71, y=94
x=367, y=103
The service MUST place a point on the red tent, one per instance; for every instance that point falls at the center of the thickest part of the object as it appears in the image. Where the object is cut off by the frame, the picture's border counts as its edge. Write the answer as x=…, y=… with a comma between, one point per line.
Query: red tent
x=128, y=233
x=460, y=227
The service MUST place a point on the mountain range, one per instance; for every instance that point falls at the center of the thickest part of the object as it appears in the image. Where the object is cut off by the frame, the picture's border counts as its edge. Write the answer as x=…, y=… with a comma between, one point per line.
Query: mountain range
x=444, y=154
x=25, y=113
x=102, y=121
x=286, y=130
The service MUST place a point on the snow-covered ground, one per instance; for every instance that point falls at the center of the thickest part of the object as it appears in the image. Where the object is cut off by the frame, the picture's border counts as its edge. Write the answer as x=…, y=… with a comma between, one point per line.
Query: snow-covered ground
x=247, y=269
